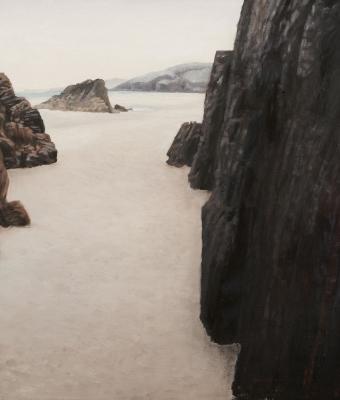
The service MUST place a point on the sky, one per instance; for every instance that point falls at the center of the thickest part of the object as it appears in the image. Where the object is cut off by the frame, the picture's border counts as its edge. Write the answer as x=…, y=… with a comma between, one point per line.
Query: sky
x=54, y=43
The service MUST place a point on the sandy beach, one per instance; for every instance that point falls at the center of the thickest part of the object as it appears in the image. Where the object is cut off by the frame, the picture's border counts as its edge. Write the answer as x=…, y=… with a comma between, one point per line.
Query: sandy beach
x=100, y=296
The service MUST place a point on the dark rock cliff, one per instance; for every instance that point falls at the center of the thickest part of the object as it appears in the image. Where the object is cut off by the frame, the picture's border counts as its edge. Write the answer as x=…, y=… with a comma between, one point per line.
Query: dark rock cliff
x=196, y=144
x=271, y=229
x=202, y=174
x=23, y=143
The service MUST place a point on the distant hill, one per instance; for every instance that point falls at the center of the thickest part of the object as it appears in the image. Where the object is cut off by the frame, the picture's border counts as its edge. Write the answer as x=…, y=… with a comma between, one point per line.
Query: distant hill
x=193, y=77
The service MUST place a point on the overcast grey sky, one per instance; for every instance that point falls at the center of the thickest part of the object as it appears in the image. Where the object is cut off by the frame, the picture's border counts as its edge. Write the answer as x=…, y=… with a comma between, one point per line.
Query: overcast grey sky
x=52, y=43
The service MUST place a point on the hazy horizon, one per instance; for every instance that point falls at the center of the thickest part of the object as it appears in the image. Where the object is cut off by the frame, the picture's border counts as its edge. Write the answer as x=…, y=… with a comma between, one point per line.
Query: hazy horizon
x=54, y=43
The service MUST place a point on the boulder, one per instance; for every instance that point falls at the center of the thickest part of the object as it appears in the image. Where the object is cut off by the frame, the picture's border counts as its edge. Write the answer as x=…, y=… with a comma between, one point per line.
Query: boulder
x=119, y=108
x=184, y=147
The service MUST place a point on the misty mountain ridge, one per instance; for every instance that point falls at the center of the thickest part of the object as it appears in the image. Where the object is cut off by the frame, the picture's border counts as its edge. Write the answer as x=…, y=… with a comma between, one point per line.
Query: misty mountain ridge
x=189, y=77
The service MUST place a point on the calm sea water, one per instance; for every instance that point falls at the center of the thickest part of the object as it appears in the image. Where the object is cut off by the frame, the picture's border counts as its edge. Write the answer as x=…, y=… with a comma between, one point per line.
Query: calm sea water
x=142, y=101
x=100, y=296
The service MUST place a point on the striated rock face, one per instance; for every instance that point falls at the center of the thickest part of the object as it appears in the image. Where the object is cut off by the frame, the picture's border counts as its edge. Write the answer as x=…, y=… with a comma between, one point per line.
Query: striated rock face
x=196, y=144
x=23, y=143
x=202, y=174
x=185, y=145
x=88, y=96
x=23, y=140
x=192, y=77
x=271, y=229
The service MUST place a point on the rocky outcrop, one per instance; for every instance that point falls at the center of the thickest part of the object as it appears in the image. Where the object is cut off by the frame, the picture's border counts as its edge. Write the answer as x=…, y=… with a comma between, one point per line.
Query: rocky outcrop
x=23, y=140
x=192, y=77
x=87, y=96
x=270, y=259
x=185, y=145
x=23, y=143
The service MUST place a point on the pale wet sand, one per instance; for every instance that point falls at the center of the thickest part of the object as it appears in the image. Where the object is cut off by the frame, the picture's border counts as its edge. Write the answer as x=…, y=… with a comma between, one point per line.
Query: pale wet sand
x=99, y=298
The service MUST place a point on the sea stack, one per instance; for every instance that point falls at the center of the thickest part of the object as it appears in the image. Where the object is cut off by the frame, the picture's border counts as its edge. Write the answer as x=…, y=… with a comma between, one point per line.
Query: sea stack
x=88, y=96
x=270, y=259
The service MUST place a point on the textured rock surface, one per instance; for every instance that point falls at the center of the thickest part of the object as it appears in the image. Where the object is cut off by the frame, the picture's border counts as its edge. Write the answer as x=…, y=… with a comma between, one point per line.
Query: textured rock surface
x=23, y=140
x=23, y=143
x=87, y=96
x=196, y=144
x=271, y=229
x=184, y=147
x=192, y=77
x=202, y=174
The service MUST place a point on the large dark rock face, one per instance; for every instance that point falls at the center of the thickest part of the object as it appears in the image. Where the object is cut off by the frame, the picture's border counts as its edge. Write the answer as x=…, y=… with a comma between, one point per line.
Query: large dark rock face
x=88, y=96
x=271, y=229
